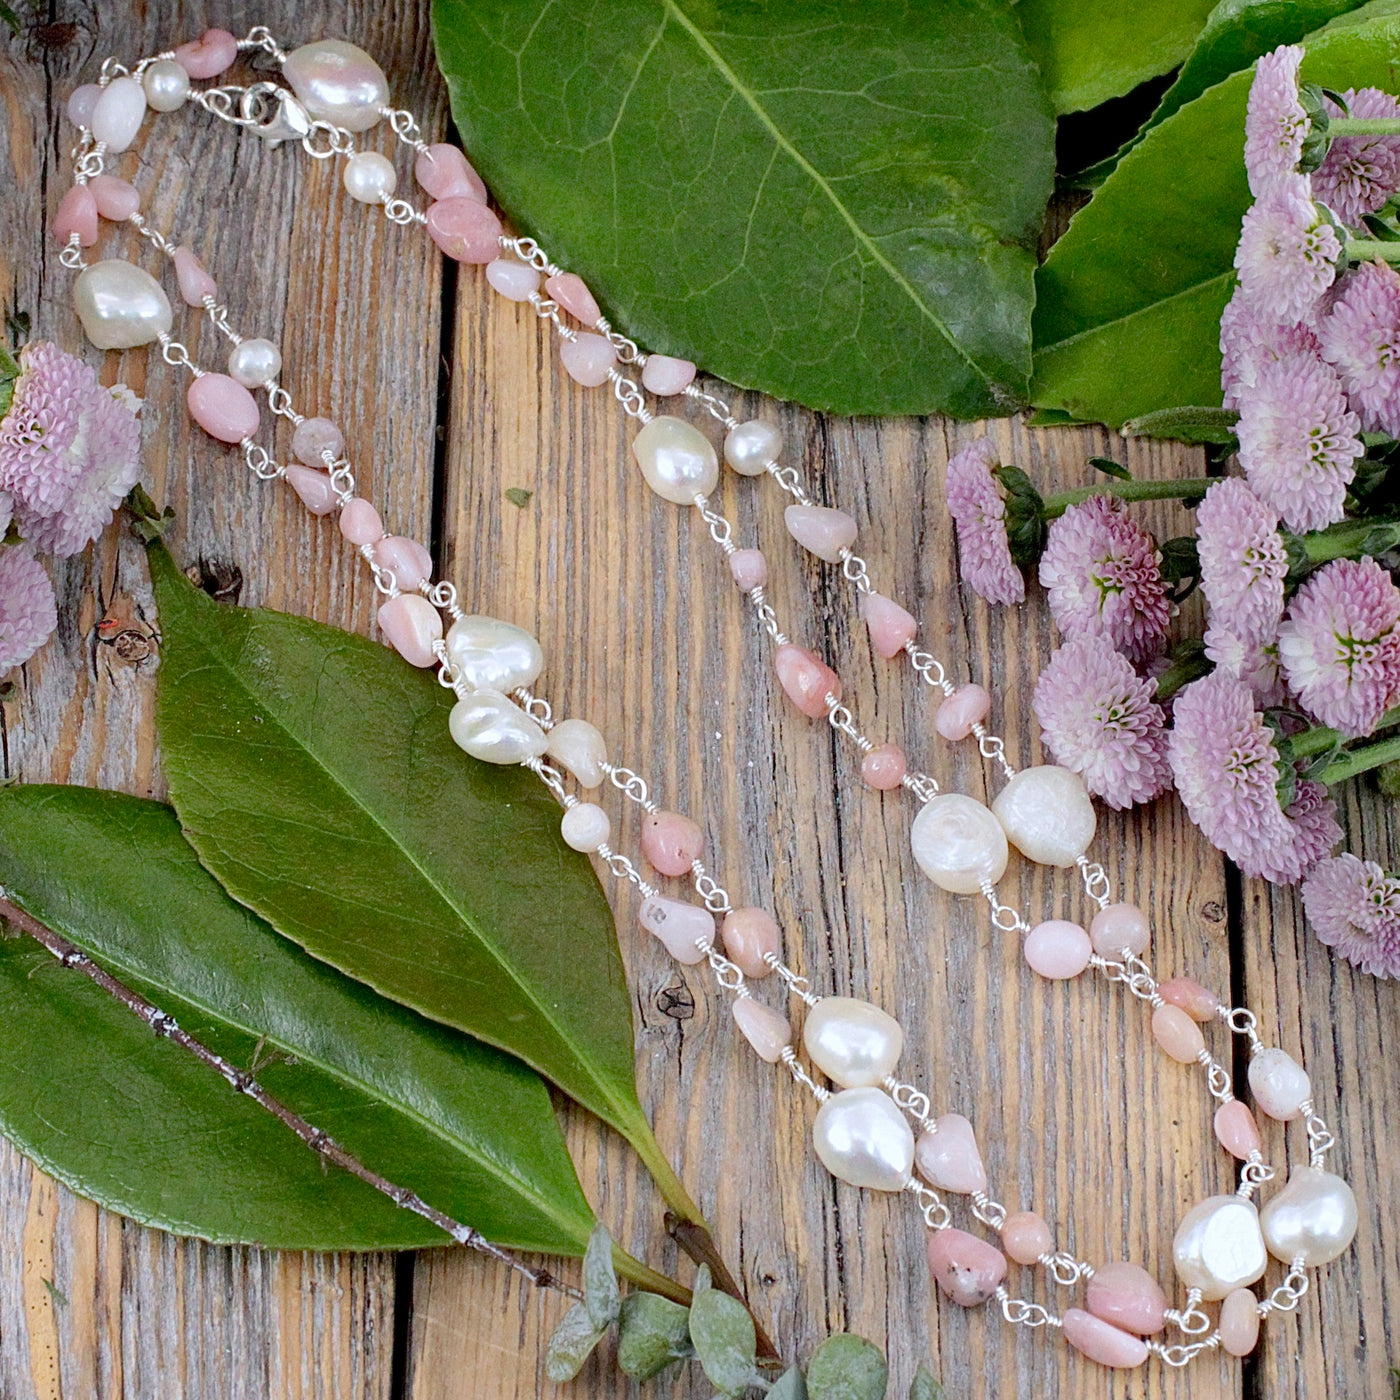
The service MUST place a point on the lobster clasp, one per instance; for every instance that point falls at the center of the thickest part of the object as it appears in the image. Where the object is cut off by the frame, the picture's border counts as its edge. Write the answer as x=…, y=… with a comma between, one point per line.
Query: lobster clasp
x=274, y=113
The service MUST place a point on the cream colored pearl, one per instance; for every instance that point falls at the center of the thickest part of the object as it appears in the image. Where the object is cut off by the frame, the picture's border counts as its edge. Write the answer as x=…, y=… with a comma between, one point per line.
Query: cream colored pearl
x=117, y=117
x=862, y=1138
x=585, y=827
x=1280, y=1085
x=488, y=726
x=958, y=843
x=166, y=84
x=852, y=1042
x=493, y=654
x=581, y=749
x=677, y=460
x=254, y=362
x=1047, y=814
x=1313, y=1218
x=120, y=305
x=751, y=446
x=1219, y=1246
x=338, y=82
x=370, y=177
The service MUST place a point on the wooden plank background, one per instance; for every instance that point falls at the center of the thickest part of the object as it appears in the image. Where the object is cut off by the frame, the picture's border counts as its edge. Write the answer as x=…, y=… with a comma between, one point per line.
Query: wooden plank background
x=449, y=397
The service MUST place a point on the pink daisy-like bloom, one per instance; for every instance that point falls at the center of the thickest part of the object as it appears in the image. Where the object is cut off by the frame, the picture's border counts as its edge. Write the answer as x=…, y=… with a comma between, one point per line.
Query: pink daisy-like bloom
x=1313, y=834
x=1354, y=908
x=1243, y=562
x=1359, y=173
x=1099, y=719
x=1299, y=440
x=1275, y=124
x=979, y=513
x=1340, y=645
x=28, y=612
x=1287, y=254
x=1103, y=576
x=1248, y=340
x=1360, y=338
x=1254, y=663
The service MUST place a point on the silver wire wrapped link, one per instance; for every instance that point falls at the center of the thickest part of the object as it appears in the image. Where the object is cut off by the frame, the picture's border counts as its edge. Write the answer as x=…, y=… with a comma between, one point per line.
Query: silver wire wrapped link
x=1022, y=1312
x=764, y=609
x=552, y=778
x=535, y=706
x=1132, y=972
x=260, y=462
x=841, y=719
x=443, y=596
x=1291, y=1292
x=1097, y=885
x=623, y=869
x=928, y=668
x=1192, y=1320
x=631, y=785
x=913, y=1101
x=1004, y=917
x=992, y=747
x=817, y=1091
x=715, y=407
x=1320, y=1139
x=799, y=986
x=991, y=1213
x=932, y=1206
x=1181, y=1355
x=405, y=126
x=788, y=479
x=1064, y=1268
x=721, y=532
x=715, y=896
x=854, y=571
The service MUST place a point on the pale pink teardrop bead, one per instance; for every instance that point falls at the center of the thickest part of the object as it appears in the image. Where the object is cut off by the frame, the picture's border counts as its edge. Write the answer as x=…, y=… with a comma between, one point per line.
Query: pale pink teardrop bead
x=360, y=522
x=1237, y=1130
x=412, y=624
x=750, y=935
x=1239, y=1322
x=76, y=213
x=1198, y=1002
x=1127, y=1296
x=678, y=925
x=749, y=568
x=1117, y=927
x=671, y=842
x=587, y=358
x=947, y=1156
x=1057, y=949
x=444, y=172
x=571, y=292
x=410, y=563
x=315, y=489
x=821, y=530
x=116, y=199
x=313, y=438
x=1026, y=1237
x=513, y=279
x=891, y=627
x=209, y=55
x=967, y=1269
x=464, y=229
x=1103, y=1342
x=966, y=706
x=1177, y=1034
x=82, y=103
x=765, y=1029
x=883, y=768
x=806, y=678
x=665, y=375
x=222, y=407
x=195, y=282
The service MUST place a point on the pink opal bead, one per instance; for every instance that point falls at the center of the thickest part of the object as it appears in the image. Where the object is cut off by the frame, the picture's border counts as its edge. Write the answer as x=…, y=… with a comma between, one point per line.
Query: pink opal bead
x=947, y=1156
x=195, y=282
x=671, y=842
x=587, y=358
x=750, y=936
x=209, y=55
x=444, y=172
x=821, y=530
x=806, y=678
x=765, y=1029
x=1117, y=927
x=116, y=199
x=313, y=438
x=1027, y=1237
x=664, y=375
x=891, y=627
x=464, y=229
x=749, y=568
x=412, y=624
x=513, y=279
x=222, y=407
x=1127, y=1296
x=967, y=1269
x=1198, y=1002
x=409, y=562
x=1177, y=1034
x=82, y=104
x=315, y=489
x=76, y=213
x=360, y=522
x=1239, y=1322
x=680, y=926
x=571, y=292
x=883, y=767
x=966, y=706
x=1103, y=1342
x=1237, y=1130
x=1057, y=949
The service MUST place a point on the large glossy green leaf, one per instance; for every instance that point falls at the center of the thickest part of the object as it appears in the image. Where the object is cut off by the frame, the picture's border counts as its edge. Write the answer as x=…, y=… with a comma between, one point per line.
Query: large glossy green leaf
x=833, y=203
x=138, y=1124
x=1130, y=298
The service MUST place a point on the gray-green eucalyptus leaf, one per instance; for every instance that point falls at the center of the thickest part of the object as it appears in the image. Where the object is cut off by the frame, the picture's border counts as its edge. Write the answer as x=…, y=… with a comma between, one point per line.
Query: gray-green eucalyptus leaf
x=789, y=1386
x=653, y=1333
x=847, y=1367
x=722, y=1333
x=571, y=1344
x=924, y=1387
x=600, y=1291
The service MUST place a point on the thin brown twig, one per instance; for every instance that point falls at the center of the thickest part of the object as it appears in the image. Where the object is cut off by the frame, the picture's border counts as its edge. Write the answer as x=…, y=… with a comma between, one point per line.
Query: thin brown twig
x=165, y=1026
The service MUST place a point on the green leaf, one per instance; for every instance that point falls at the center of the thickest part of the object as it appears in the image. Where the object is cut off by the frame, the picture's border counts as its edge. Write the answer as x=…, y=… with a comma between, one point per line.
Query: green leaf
x=831, y=203
x=518, y=496
x=789, y=1386
x=924, y=1386
x=11, y=19
x=1111, y=346
x=1190, y=424
x=138, y=1124
x=571, y=1345
x=722, y=1333
x=314, y=774
x=1025, y=515
x=600, y=1290
x=1111, y=468
x=847, y=1367
x=654, y=1332
x=1091, y=50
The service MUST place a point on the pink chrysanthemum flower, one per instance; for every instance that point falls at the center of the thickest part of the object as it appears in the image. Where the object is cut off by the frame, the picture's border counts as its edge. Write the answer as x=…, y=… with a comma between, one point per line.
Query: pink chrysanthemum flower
x=1275, y=124
x=1243, y=562
x=979, y=513
x=1299, y=440
x=1098, y=717
x=1354, y=908
x=1248, y=340
x=1313, y=834
x=1103, y=576
x=1359, y=173
x=1360, y=338
x=28, y=612
x=1254, y=663
x=1340, y=645
x=1287, y=255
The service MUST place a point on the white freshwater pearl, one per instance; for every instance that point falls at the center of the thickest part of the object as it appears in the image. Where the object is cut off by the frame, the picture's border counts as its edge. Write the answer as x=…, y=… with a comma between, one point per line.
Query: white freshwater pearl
x=254, y=362
x=166, y=84
x=958, y=843
x=489, y=726
x=493, y=654
x=117, y=117
x=120, y=305
x=1313, y=1218
x=369, y=175
x=338, y=82
x=852, y=1042
x=585, y=827
x=1280, y=1085
x=677, y=460
x=1047, y=814
x=581, y=749
x=862, y=1138
x=1219, y=1246
x=751, y=446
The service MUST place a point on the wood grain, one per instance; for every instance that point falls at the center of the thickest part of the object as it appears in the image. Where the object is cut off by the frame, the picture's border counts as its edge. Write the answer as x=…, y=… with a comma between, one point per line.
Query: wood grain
x=1077, y=1113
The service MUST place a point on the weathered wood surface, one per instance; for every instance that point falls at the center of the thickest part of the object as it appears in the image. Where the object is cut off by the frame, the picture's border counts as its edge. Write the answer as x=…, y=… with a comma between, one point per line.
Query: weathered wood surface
x=1078, y=1115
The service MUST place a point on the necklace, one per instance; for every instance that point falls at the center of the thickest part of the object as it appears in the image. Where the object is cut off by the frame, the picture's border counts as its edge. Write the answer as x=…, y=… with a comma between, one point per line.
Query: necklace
x=862, y=1131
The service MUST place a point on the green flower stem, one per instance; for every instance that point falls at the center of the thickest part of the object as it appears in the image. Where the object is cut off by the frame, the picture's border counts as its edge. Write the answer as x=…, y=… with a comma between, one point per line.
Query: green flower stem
x=1131, y=491
x=637, y=1272
x=1363, y=126
x=1368, y=756
x=1364, y=249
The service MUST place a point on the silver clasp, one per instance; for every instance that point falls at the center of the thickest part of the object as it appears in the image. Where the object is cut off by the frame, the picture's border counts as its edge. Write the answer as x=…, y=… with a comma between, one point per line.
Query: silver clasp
x=274, y=113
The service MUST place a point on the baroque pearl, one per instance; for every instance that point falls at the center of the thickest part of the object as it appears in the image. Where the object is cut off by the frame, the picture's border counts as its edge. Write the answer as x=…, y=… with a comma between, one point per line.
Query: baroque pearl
x=585, y=826
x=166, y=84
x=1047, y=814
x=120, y=305
x=852, y=1042
x=680, y=926
x=581, y=749
x=1280, y=1085
x=1219, y=1246
x=967, y=1269
x=751, y=446
x=117, y=116
x=677, y=460
x=338, y=82
x=1313, y=1218
x=254, y=362
x=861, y=1138
x=369, y=177
x=958, y=843
x=492, y=654
x=491, y=727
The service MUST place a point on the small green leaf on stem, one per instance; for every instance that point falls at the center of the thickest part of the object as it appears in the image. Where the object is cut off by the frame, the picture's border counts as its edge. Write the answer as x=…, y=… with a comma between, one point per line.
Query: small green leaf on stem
x=925, y=1387
x=571, y=1345
x=847, y=1367
x=1111, y=468
x=518, y=496
x=1189, y=662
x=1025, y=515
x=653, y=1333
x=1191, y=423
x=600, y=1291
x=722, y=1333
x=789, y=1386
